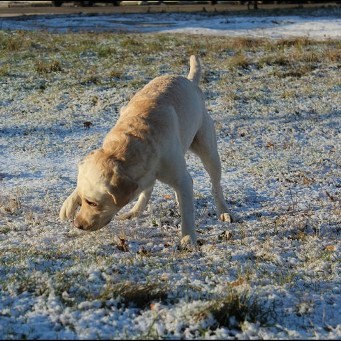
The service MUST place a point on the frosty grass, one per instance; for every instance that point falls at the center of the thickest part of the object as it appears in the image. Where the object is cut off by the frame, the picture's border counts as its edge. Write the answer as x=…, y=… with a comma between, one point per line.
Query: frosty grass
x=274, y=273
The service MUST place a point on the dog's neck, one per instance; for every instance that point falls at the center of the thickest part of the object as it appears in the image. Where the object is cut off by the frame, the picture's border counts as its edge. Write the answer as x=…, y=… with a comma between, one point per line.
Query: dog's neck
x=129, y=151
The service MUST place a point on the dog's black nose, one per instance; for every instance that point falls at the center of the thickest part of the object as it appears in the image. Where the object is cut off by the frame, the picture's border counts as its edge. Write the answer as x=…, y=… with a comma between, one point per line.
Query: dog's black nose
x=78, y=225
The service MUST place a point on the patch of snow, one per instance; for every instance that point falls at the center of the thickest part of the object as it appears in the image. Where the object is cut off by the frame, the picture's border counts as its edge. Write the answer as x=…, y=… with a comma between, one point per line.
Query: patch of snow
x=219, y=24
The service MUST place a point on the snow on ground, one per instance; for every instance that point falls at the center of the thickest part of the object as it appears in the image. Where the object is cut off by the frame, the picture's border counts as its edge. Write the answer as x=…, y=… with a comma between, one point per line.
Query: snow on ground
x=222, y=24
x=272, y=274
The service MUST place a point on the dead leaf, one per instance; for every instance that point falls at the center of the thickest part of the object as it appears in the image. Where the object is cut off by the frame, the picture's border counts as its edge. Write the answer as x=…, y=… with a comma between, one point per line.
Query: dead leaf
x=238, y=282
x=87, y=124
x=226, y=235
x=164, y=277
x=330, y=248
x=331, y=197
x=143, y=252
x=121, y=244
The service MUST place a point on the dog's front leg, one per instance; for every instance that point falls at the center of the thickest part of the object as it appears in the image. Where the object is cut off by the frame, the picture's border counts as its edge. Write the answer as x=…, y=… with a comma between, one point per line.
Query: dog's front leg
x=70, y=206
x=140, y=205
x=184, y=195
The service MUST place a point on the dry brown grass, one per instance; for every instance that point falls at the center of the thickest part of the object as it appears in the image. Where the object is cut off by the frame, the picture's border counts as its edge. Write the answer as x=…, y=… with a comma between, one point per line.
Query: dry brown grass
x=44, y=67
x=234, y=309
x=116, y=73
x=134, y=294
x=238, y=61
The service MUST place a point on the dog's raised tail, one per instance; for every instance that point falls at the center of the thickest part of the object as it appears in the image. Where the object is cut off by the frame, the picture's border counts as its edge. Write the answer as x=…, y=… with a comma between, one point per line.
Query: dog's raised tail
x=195, y=69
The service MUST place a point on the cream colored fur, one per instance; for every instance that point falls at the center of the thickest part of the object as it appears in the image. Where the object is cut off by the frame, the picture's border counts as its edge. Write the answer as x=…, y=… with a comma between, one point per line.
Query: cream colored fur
x=158, y=126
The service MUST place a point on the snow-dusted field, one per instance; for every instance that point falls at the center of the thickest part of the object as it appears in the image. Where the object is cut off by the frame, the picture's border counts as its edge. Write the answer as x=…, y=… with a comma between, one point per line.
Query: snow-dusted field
x=274, y=273
x=321, y=27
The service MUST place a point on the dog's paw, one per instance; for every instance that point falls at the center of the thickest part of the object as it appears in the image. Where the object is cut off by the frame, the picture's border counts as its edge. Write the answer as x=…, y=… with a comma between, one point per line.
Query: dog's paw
x=185, y=241
x=188, y=242
x=128, y=215
x=226, y=217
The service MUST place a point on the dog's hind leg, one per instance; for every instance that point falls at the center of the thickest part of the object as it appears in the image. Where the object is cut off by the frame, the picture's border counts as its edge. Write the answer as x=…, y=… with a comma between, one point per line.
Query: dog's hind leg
x=139, y=206
x=205, y=146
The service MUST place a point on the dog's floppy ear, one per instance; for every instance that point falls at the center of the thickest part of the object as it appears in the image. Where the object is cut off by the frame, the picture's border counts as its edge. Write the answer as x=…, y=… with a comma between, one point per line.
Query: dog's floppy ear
x=122, y=190
x=70, y=205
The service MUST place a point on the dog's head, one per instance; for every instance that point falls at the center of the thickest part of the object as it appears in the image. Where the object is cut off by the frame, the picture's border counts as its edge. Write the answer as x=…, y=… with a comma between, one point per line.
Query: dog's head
x=103, y=190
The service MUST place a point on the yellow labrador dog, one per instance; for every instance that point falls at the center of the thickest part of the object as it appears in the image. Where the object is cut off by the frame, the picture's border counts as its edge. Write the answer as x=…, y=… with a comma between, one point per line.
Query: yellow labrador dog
x=160, y=123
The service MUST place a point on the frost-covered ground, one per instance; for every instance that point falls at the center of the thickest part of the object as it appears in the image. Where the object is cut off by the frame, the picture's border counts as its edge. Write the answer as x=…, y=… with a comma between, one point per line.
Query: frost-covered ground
x=315, y=26
x=274, y=273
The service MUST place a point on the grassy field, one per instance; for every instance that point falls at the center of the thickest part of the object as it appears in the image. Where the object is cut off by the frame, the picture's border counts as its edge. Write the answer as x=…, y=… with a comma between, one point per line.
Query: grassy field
x=271, y=274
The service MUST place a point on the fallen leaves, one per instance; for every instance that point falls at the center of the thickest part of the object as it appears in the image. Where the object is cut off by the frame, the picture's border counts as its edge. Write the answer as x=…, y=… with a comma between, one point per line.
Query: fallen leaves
x=237, y=282
x=120, y=243
x=330, y=248
x=225, y=236
x=87, y=124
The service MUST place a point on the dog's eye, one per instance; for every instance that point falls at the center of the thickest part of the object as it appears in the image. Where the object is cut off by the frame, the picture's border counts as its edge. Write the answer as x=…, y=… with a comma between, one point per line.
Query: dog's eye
x=90, y=203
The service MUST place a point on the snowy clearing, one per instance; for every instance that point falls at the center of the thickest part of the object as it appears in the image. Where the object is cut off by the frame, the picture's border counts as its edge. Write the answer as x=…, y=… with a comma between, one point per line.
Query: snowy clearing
x=208, y=24
x=273, y=274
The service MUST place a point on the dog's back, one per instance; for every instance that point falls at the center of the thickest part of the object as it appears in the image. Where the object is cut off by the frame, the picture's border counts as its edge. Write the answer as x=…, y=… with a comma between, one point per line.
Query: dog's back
x=169, y=104
x=170, y=88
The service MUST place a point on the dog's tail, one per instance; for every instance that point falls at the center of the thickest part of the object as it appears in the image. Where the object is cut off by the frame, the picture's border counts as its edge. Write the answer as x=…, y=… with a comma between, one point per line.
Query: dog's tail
x=195, y=69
